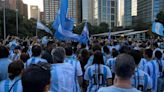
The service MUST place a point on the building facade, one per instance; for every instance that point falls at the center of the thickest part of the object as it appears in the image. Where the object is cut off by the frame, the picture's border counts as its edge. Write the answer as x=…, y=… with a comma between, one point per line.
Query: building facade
x=120, y=13
x=51, y=8
x=147, y=10
x=130, y=12
x=107, y=12
x=34, y=12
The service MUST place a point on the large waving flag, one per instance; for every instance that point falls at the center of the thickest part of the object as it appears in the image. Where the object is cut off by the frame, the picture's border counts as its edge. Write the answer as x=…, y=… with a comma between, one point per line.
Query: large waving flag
x=61, y=17
x=43, y=27
x=158, y=28
x=63, y=25
x=85, y=35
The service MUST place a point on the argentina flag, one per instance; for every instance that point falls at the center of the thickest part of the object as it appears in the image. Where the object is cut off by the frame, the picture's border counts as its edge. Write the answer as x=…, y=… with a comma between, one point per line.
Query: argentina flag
x=61, y=17
x=84, y=35
x=41, y=26
x=158, y=28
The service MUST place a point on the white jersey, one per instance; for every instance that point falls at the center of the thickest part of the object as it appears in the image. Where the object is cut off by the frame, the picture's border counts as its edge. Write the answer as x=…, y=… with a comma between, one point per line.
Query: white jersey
x=141, y=80
x=62, y=78
x=152, y=68
x=78, y=71
x=142, y=63
x=5, y=85
x=97, y=80
x=111, y=64
x=34, y=60
x=90, y=61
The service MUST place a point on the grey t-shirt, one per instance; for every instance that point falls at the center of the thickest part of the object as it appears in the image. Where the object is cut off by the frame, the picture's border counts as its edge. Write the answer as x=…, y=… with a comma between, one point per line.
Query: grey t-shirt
x=117, y=89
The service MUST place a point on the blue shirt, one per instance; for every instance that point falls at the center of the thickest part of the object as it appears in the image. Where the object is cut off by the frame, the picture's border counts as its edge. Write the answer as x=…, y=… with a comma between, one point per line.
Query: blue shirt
x=4, y=63
x=62, y=78
x=117, y=89
x=5, y=85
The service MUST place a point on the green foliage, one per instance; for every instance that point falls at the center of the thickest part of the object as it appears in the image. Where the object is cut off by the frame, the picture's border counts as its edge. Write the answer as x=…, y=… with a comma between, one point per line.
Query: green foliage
x=103, y=27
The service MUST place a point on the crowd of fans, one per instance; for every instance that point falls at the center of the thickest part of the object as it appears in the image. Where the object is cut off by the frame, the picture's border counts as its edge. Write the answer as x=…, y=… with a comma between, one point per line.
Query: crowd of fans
x=37, y=65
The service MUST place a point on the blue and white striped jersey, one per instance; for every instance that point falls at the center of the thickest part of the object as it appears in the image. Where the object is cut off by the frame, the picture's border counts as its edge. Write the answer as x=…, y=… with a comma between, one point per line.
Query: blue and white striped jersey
x=141, y=80
x=62, y=78
x=90, y=61
x=5, y=85
x=142, y=63
x=78, y=71
x=152, y=68
x=97, y=80
x=34, y=60
x=111, y=64
x=14, y=56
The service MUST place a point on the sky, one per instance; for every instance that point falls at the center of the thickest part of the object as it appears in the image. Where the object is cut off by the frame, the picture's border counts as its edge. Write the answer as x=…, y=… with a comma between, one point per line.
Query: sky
x=39, y=3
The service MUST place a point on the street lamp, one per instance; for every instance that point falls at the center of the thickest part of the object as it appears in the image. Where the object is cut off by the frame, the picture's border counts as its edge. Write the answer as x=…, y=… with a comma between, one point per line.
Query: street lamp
x=4, y=19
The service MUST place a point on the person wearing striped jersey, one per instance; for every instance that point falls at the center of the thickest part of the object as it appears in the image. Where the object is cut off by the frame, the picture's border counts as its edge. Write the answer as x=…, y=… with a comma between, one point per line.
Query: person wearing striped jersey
x=98, y=75
x=62, y=74
x=76, y=64
x=4, y=62
x=90, y=60
x=106, y=52
x=140, y=79
x=154, y=69
x=147, y=58
x=16, y=54
x=124, y=69
x=13, y=83
x=36, y=53
x=160, y=62
x=112, y=61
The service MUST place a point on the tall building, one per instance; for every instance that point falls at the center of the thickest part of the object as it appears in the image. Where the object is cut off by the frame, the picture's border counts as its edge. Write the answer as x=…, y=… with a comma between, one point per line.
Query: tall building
x=25, y=10
x=85, y=10
x=107, y=12
x=34, y=12
x=120, y=13
x=13, y=4
x=51, y=7
x=148, y=9
x=127, y=13
x=130, y=12
x=42, y=16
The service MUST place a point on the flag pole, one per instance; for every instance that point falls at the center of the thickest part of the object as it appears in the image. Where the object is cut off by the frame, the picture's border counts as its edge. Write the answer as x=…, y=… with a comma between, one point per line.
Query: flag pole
x=17, y=18
x=4, y=19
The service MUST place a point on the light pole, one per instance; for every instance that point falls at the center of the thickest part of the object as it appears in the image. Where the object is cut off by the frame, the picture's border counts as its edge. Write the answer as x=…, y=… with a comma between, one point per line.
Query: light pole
x=17, y=17
x=4, y=19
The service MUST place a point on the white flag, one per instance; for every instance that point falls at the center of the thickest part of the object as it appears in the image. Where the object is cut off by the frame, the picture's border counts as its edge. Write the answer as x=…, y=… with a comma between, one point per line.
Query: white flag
x=43, y=27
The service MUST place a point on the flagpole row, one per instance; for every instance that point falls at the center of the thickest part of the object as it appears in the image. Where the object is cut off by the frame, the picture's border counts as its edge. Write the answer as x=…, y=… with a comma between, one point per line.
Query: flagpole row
x=4, y=19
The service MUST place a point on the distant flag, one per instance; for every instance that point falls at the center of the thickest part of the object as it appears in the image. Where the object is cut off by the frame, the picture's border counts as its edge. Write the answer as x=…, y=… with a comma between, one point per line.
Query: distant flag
x=109, y=36
x=158, y=28
x=85, y=34
x=43, y=27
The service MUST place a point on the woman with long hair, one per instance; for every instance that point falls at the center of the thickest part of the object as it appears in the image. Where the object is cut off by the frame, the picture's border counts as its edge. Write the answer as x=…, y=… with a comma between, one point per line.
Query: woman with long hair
x=98, y=75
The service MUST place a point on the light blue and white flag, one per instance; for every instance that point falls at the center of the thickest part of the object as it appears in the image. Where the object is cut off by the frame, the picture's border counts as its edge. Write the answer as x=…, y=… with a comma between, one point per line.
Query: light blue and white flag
x=85, y=34
x=41, y=26
x=158, y=28
x=61, y=17
x=63, y=25
x=109, y=36
x=66, y=35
